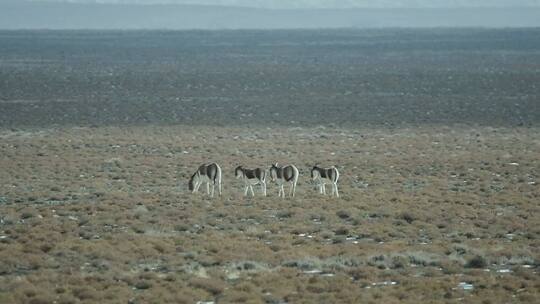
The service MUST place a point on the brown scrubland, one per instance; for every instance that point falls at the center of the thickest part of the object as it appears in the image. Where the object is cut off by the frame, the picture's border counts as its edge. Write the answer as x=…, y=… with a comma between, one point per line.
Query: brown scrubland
x=103, y=214
x=435, y=132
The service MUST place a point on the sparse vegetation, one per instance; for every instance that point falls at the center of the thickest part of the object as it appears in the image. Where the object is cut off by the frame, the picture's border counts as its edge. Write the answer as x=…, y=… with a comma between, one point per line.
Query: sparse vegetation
x=160, y=241
x=94, y=204
x=345, y=78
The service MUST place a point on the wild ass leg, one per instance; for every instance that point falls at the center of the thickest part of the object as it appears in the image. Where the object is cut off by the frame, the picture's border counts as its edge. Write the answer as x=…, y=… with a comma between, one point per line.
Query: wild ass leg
x=319, y=185
x=197, y=185
x=219, y=182
x=213, y=188
x=263, y=188
x=337, y=192
x=246, y=189
x=291, y=191
x=324, y=188
x=208, y=188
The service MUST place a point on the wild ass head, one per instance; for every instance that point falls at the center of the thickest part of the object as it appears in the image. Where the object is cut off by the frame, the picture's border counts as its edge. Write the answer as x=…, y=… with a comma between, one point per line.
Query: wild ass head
x=191, y=183
x=238, y=173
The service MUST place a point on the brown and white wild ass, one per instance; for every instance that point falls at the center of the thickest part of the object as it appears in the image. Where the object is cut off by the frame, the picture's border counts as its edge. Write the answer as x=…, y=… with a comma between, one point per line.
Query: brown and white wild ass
x=282, y=175
x=323, y=176
x=251, y=177
x=209, y=174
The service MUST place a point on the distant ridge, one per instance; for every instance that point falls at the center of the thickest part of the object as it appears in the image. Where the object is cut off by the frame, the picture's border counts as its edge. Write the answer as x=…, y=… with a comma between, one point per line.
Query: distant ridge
x=52, y=15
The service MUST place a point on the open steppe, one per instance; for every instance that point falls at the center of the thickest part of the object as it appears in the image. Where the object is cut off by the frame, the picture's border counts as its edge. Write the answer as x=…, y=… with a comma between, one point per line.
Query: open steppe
x=103, y=214
x=436, y=134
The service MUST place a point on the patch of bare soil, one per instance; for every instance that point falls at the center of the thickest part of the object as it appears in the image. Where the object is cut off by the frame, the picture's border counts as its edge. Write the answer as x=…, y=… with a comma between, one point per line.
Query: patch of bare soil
x=442, y=214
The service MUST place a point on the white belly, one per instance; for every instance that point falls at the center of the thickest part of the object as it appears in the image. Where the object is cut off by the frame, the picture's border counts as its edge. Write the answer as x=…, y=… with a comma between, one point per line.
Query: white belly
x=281, y=181
x=321, y=180
x=252, y=181
x=205, y=179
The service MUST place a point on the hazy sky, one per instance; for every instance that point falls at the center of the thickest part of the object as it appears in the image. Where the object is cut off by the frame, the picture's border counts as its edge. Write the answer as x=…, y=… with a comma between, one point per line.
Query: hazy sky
x=285, y=4
x=266, y=14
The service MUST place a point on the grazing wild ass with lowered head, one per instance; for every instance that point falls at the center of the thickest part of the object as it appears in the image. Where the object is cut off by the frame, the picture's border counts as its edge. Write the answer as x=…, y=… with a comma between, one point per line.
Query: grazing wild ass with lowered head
x=209, y=174
x=251, y=177
x=323, y=176
x=282, y=175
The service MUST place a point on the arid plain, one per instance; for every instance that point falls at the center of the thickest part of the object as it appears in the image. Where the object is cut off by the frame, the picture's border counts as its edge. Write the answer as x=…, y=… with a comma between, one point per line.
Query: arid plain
x=439, y=187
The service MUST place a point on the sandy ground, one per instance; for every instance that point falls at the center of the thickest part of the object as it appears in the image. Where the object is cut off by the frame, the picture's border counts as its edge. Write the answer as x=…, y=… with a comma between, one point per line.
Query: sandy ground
x=445, y=214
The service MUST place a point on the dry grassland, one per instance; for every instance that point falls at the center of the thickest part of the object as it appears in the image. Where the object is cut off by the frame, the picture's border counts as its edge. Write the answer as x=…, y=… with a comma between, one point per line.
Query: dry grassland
x=428, y=214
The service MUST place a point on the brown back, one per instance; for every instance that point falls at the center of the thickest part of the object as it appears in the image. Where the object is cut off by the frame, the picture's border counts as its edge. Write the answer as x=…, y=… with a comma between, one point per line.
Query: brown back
x=257, y=173
x=328, y=173
x=286, y=173
x=209, y=170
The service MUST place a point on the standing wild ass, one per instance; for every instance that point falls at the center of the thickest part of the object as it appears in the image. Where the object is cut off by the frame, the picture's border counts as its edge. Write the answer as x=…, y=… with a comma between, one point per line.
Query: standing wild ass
x=323, y=176
x=209, y=174
x=282, y=175
x=251, y=177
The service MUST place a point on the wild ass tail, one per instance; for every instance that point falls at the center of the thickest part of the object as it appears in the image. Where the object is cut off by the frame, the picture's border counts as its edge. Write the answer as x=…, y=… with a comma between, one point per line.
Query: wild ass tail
x=295, y=179
x=336, y=177
x=218, y=179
